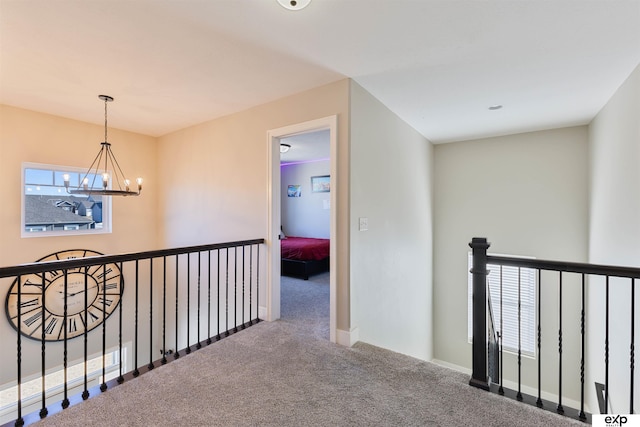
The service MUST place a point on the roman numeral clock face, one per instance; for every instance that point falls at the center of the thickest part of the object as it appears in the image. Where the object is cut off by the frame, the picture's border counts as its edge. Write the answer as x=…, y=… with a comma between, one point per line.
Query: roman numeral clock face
x=90, y=294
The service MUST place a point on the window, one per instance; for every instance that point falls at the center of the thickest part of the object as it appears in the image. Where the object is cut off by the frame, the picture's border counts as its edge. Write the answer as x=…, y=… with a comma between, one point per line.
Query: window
x=509, y=312
x=48, y=210
x=54, y=383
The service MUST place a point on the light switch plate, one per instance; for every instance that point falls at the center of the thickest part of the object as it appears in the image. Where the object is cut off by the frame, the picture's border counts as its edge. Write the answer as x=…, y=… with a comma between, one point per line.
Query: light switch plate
x=364, y=224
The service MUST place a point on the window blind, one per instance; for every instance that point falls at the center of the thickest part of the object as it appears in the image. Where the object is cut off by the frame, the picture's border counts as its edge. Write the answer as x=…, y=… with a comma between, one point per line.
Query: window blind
x=505, y=314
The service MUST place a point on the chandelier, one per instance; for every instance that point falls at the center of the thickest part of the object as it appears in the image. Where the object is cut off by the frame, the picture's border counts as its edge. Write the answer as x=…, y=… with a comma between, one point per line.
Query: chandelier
x=107, y=160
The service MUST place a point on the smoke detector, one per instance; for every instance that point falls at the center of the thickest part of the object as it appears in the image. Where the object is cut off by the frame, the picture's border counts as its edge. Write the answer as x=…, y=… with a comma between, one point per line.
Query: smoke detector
x=294, y=4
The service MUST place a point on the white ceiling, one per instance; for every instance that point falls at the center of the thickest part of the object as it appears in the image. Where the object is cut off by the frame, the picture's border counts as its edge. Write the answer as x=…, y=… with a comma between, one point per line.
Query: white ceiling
x=439, y=65
x=306, y=147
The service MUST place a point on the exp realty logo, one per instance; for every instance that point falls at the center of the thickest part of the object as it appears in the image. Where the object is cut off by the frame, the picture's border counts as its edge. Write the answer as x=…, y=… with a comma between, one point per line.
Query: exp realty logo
x=613, y=420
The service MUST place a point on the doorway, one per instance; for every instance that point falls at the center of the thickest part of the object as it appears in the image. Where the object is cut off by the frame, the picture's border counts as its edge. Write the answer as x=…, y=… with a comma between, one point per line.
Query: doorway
x=274, y=137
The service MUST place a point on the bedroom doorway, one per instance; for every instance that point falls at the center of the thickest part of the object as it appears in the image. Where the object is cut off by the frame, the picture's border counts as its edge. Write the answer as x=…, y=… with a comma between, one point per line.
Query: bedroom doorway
x=324, y=127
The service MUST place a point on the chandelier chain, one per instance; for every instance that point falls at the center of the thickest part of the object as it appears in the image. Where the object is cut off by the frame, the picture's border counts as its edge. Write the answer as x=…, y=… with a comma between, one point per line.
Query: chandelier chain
x=105, y=120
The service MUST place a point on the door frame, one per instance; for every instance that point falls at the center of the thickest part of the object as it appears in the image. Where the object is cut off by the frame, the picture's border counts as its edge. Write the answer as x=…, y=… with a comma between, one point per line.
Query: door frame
x=272, y=309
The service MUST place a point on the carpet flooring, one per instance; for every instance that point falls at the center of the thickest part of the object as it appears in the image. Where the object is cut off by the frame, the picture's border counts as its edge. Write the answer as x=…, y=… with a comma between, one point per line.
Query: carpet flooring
x=287, y=373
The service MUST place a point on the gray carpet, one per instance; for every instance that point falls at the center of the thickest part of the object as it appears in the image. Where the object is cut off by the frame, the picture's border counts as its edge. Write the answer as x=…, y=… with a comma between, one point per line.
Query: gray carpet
x=287, y=373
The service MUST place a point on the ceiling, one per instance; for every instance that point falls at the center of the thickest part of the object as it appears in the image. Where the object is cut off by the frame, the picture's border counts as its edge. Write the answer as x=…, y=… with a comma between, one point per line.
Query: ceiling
x=438, y=65
x=305, y=147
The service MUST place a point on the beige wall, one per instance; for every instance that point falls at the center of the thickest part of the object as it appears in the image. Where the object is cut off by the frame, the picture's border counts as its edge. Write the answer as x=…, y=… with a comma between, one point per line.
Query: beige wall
x=527, y=194
x=391, y=267
x=26, y=136
x=615, y=236
x=214, y=176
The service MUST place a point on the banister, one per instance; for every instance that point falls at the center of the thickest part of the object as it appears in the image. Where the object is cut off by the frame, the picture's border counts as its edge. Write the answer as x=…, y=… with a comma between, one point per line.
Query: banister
x=568, y=267
x=40, y=267
x=237, y=301
x=555, y=327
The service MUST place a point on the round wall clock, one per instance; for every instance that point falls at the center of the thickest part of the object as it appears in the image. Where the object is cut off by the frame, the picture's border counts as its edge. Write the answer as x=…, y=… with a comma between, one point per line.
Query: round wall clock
x=42, y=298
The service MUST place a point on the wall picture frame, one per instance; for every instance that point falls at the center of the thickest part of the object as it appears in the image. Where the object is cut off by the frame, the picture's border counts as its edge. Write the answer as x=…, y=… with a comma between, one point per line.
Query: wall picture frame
x=294, y=191
x=321, y=184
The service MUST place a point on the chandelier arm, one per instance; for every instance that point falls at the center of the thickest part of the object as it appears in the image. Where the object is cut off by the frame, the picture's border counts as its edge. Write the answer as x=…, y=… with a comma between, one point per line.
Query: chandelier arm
x=116, y=168
x=96, y=162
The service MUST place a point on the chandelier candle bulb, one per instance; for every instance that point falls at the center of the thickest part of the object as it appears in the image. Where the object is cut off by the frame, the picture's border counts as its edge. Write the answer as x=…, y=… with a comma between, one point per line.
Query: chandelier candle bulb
x=139, y=181
x=126, y=184
x=105, y=180
x=85, y=184
x=65, y=177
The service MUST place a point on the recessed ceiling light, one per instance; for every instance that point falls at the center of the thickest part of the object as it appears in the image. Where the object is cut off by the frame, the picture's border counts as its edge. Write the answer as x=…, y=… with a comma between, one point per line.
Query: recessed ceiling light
x=495, y=107
x=294, y=4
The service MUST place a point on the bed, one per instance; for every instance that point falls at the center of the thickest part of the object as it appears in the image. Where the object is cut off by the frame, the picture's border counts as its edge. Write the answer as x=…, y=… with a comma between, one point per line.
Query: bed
x=304, y=256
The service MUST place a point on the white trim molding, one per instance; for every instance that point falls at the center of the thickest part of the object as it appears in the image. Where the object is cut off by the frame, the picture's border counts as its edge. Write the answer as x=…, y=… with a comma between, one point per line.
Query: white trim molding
x=348, y=338
x=272, y=309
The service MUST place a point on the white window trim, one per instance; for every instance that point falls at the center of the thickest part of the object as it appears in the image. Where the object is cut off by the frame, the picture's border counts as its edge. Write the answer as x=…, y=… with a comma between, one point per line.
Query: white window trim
x=107, y=211
x=528, y=287
x=33, y=401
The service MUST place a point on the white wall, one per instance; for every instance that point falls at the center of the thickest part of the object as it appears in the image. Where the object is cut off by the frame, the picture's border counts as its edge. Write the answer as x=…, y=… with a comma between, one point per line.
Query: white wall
x=310, y=214
x=391, y=185
x=615, y=236
x=527, y=194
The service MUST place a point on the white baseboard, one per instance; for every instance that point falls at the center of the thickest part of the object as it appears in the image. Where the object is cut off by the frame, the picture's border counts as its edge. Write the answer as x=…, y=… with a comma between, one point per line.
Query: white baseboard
x=532, y=391
x=347, y=338
x=262, y=312
x=458, y=368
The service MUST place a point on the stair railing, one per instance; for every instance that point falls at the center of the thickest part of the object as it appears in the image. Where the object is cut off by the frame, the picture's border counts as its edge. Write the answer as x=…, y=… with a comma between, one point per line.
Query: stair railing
x=174, y=301
x=482, y=345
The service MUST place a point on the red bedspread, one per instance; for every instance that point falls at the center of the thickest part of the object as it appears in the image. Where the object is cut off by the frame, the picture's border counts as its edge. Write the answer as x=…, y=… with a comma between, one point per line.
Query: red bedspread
x=304, y=248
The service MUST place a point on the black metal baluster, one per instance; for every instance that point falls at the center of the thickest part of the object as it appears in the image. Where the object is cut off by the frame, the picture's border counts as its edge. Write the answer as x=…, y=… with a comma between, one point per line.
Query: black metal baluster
x=560, y=408
x=539, y=400
x=501, y=388
x=218, y=297
x=43, y=410
x=226, y=297
x=121, y=278
x=150, y=366
x=235, y=289
x=606, y=348
x=209, y=298
x=177, y=353
x=65, y=401
x=85, y=392
x=198, y=345
x=250, y=284
x=243, y=323
x=19, y=420
x=164, y=310
x=188, y=349
x=519, y=395
x=103, y=386
x=582, y=414
x=136, y=372
x=632, y=346
x=257, y=284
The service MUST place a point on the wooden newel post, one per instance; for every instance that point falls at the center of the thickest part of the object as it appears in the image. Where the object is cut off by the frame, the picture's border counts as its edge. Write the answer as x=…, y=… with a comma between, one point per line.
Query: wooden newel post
x=479, y=246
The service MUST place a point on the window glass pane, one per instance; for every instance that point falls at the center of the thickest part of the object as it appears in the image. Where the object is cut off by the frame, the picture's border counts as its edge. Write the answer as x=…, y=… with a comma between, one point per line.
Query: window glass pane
x=38, y=176
x=48, y=209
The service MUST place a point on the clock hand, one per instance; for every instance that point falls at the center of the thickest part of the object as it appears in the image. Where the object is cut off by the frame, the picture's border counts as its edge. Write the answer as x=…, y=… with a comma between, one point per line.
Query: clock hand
x=76, y=293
